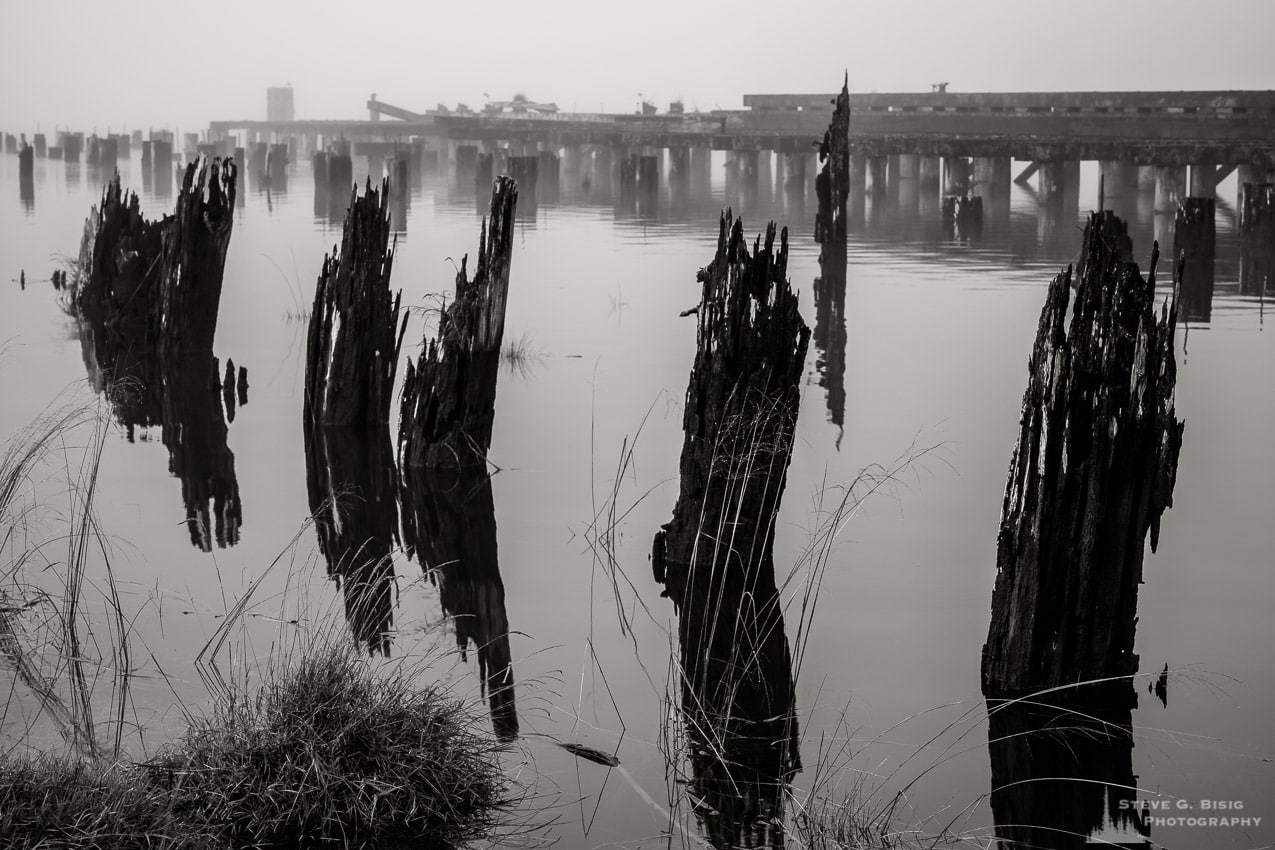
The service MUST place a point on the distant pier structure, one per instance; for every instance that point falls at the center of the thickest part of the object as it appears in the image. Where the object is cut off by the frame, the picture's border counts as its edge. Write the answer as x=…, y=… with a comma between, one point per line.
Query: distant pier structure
x=1180, y=143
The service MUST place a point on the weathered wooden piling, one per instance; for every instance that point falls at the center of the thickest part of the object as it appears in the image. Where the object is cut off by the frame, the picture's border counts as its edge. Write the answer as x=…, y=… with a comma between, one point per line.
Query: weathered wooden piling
x=1091, y=475
x=548, y=176
x=72, y=146
x=1195, y=246
x=319, y=162
x=122, y=284
x=449, y=396
x=162, y=167
x=353, y=489
x=26, y=162
x=1257, y=238
x=257, y=153
x=485, y=171
x=832, y=187
x=194, y=257
x=355, y=332
x=449, y=528
x=41, y=145
x=741, y=409
x=715, y=556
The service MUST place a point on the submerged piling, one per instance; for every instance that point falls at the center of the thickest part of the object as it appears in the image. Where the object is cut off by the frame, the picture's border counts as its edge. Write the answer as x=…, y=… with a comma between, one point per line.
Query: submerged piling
x=1091, y=475
x=449, y=395
x=715, y=556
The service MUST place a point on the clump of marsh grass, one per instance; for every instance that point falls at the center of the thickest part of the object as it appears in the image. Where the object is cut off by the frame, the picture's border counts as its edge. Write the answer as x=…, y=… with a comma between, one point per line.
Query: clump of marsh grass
x=332, y=749
x=53, y=801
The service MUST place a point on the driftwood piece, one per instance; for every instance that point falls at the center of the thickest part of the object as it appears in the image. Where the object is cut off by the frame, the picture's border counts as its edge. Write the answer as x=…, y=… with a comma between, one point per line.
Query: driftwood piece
x=449, y=395
x=1091, y=475
x=449, y=528
x=832, y=187
x=715, y=557
x=194, y=257
x=355, y=333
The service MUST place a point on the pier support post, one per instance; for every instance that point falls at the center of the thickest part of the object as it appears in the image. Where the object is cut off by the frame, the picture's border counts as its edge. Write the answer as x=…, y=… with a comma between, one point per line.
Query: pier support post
x=929, y=170
x=1203, y=180
x=956, y=175
x=878, y=175
x=1195, y=243
x=1170, y=187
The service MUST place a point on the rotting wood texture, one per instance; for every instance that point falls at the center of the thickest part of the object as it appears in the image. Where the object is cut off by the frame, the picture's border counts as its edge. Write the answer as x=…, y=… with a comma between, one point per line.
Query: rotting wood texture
x=715, y=557
x=355, y=333
x=1091, y=475
x=194, y=256
x=832, y=187
x=449, y=395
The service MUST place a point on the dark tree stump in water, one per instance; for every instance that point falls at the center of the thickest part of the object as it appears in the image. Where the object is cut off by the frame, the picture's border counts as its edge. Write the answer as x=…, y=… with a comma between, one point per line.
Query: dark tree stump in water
x=353, y=488
x=715, y=557
x=355, y=332
x=449, y=528
x=122, y=285
x=449, y=396
x=1093, y=471
x=832, y=187
x=194, y=257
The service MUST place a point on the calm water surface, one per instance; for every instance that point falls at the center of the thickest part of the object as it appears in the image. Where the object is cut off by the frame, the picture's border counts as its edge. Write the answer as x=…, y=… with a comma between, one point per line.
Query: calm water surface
x=936, y=337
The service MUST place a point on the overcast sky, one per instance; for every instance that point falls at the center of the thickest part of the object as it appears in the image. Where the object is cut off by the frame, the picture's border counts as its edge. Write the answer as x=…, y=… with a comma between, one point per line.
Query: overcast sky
x=145, y=62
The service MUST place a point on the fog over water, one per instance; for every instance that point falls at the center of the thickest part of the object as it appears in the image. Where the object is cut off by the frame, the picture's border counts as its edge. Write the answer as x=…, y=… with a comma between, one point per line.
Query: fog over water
x=90, y=64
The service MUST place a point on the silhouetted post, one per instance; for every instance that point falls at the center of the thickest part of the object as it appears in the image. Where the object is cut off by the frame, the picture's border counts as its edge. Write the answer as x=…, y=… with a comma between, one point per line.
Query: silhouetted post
x=354, y=335
x=146, y=155
x=548, y=176
x=832, y=186
x=340, y=185
x=162, y=167
x=715, y=556
x=41, y=145
x=962, y=217
x=485, y=173
x=1092, y=473
x=449, y=396
x=121, y=290
x=194, y=257
x=319, y=162
x=525, y=171
x=72, y=145
x=1195, y=245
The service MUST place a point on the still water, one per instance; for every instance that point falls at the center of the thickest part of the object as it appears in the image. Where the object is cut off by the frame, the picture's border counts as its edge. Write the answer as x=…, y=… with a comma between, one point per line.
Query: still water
x=928, y=363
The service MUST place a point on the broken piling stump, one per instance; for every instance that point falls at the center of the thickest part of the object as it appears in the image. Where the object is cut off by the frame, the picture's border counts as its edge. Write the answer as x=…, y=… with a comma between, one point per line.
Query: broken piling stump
x=715, y=556
x=1091, y=474
x=354, y=333
x=449, y=395
x=194, y=257
x=832, y=187
x=340, y=186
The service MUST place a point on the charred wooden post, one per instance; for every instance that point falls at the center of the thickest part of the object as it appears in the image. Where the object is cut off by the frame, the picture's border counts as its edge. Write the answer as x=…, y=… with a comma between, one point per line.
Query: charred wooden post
x=449, y=396
x=194, y=257
x=832, y=187
x=26, y=174
x=147, y=160
x=353, y=490
x=277, y=167
x=1257, y=238
x=1091, y=475
x=449, y=528
x=1195, y=245
x=525, y=171
x=355, y=333
x=162, y=167
x=715, y=557
x=121, y=290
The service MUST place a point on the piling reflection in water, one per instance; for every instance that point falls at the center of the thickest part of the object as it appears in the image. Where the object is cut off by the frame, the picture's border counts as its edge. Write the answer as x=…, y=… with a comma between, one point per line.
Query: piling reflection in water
x=449, y=528
x=353, y=491
x=1062, y=774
